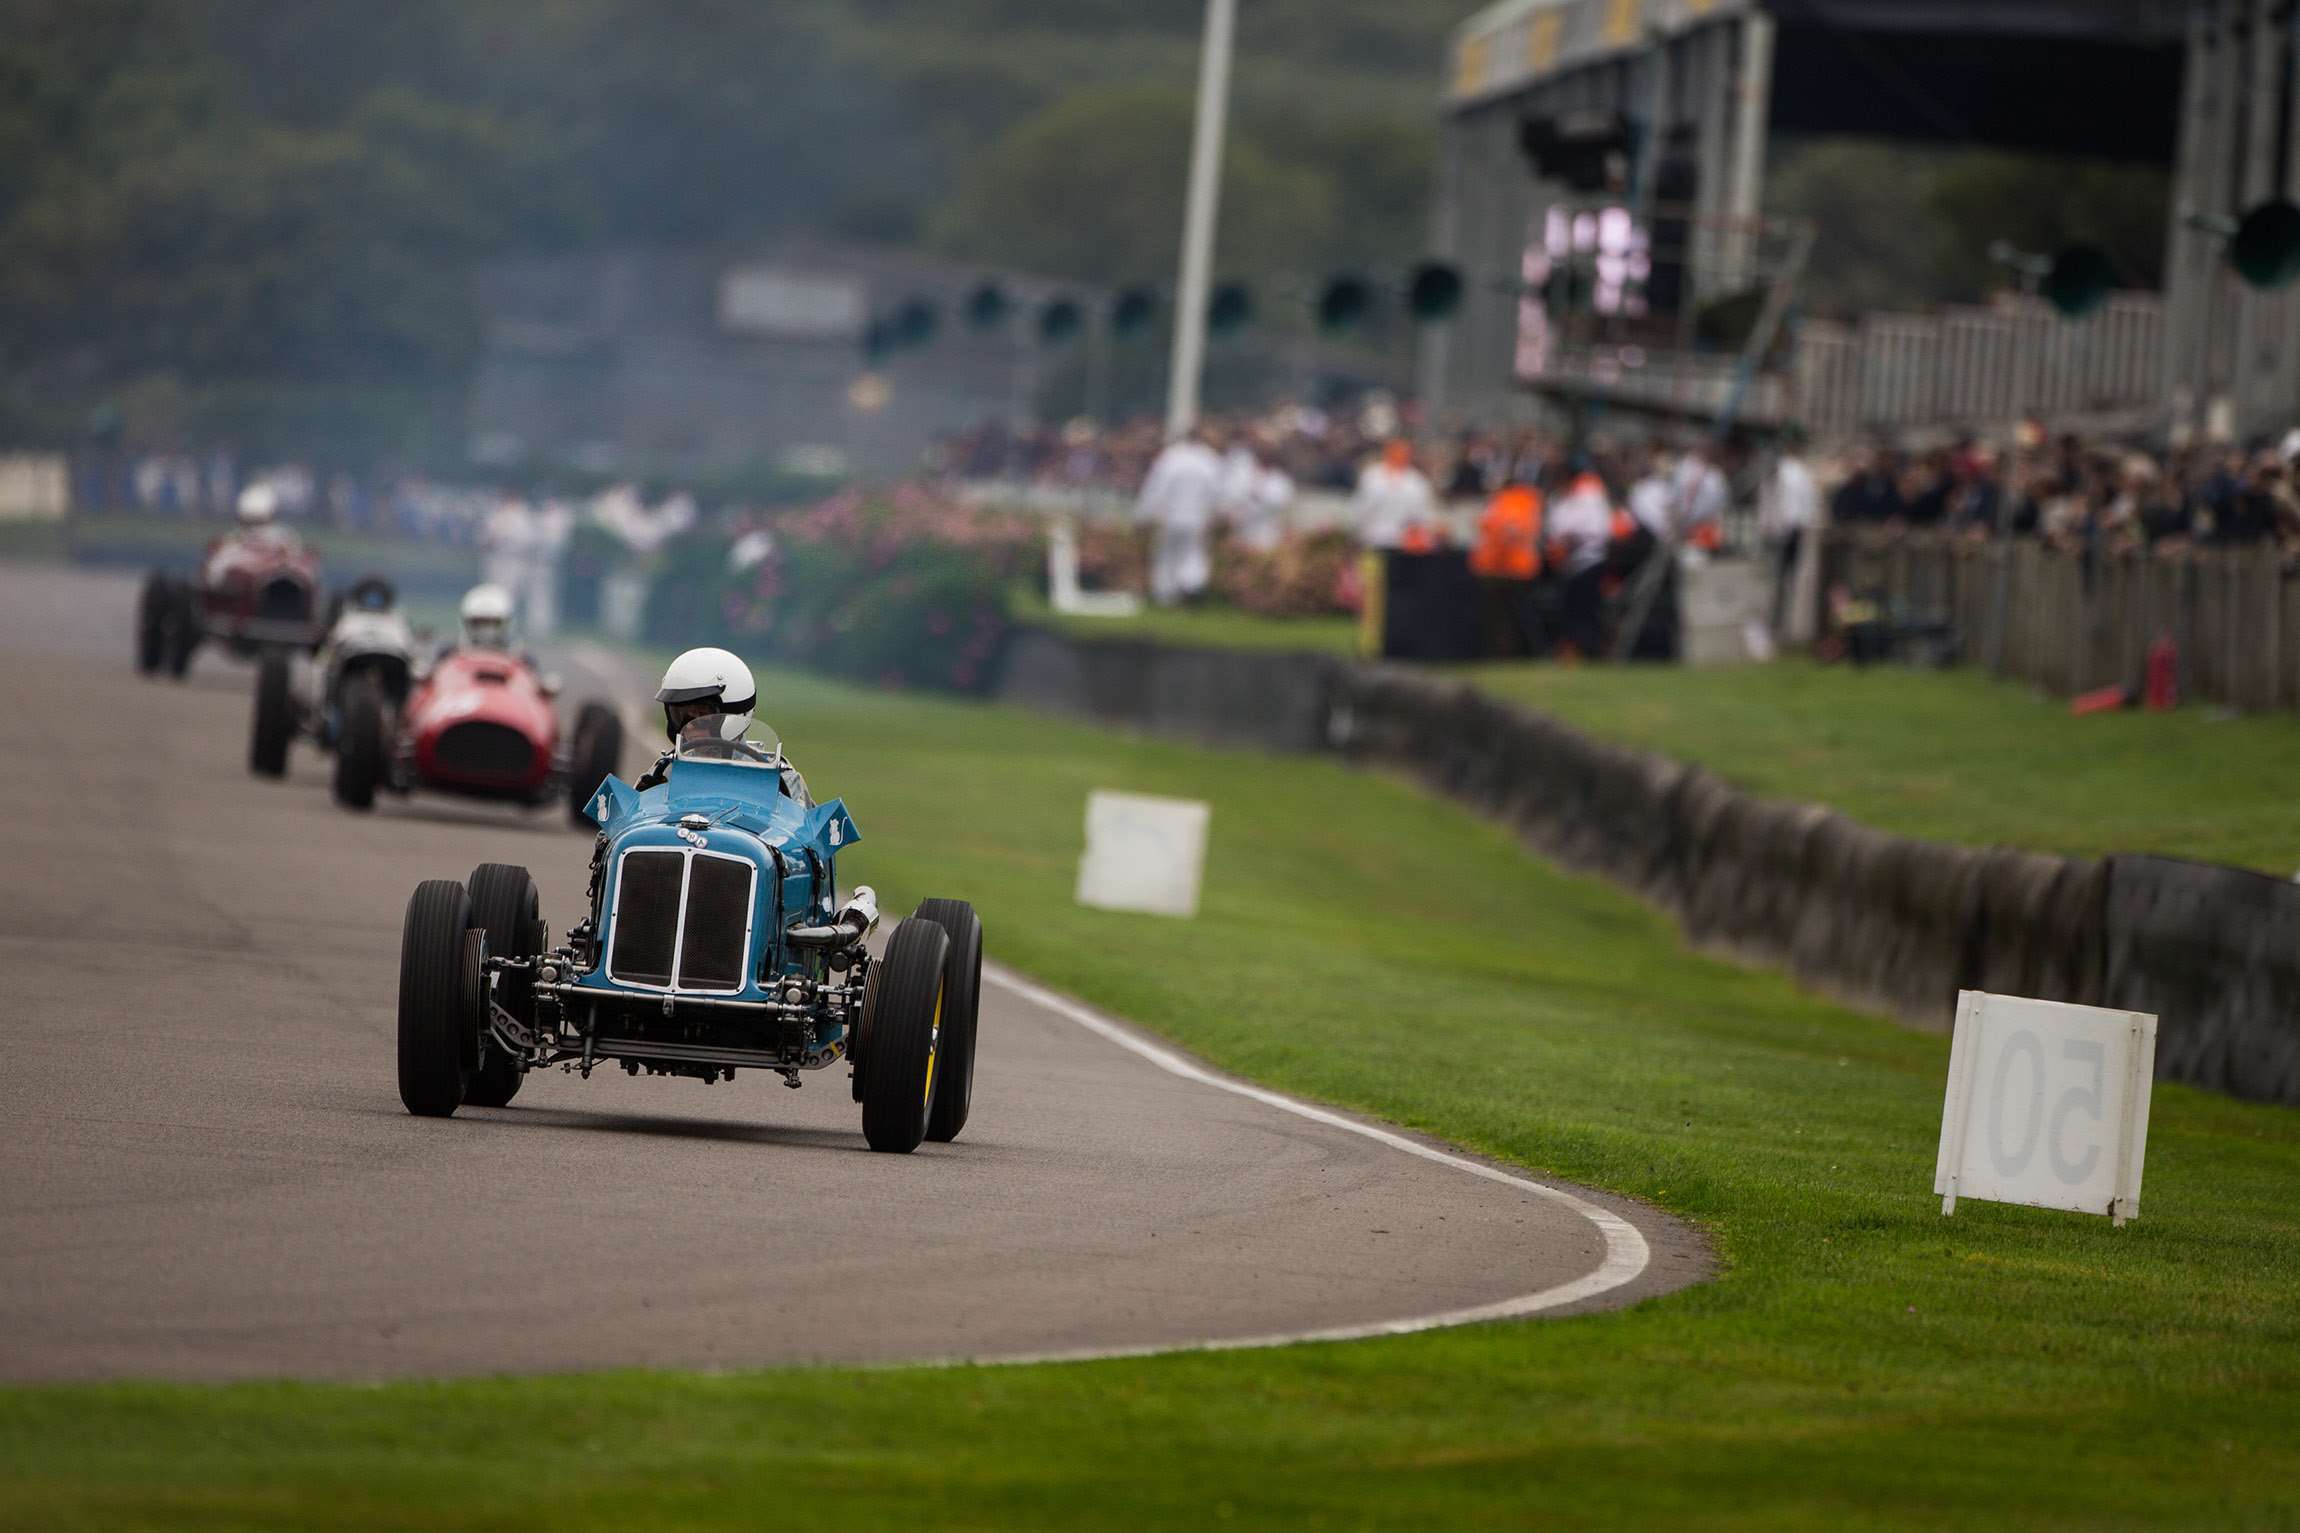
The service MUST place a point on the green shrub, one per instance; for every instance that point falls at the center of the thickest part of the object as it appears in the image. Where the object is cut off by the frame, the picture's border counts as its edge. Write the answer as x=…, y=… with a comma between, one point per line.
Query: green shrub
x=695, y=585
x=902, y=589
x=593, y=553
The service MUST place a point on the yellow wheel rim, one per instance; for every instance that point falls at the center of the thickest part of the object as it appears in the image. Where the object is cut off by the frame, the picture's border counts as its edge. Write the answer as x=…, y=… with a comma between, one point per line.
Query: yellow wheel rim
x=933, y=1042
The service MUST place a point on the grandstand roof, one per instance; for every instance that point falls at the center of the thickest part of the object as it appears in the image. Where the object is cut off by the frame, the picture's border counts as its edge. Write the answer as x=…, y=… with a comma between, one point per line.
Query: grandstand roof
x=2080, y=76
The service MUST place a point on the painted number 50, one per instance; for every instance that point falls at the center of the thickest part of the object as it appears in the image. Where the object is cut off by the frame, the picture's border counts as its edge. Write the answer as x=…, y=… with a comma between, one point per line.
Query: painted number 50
x=2082, y=1098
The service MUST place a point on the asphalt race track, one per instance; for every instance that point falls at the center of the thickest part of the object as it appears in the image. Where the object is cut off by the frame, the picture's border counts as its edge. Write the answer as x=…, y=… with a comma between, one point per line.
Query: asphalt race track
x=206, y=1173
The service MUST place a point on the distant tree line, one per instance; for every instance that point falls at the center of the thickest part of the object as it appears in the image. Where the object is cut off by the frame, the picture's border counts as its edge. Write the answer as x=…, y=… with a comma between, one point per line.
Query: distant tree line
x=258, y=220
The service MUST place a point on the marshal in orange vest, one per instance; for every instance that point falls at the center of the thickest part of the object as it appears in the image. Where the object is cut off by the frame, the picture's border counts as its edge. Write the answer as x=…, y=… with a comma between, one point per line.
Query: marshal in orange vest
x=1509, y=535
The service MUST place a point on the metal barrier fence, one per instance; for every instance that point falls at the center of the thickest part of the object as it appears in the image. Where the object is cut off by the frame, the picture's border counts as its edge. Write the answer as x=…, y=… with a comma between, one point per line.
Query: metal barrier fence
x=1974, y=368
x=2070, y=622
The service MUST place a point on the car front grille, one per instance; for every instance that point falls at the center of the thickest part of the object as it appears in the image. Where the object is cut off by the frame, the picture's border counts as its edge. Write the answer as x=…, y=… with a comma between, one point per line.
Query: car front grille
x=647, y=917
x=480, y=749
x=645, y=944
x=288, y=601
x=718, y=924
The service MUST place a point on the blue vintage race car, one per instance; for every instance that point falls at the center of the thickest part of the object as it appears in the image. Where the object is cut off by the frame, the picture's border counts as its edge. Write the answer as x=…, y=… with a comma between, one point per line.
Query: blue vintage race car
x=717, y=941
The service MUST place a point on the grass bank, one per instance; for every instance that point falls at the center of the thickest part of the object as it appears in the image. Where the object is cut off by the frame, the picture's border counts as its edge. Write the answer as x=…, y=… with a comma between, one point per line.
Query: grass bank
x=1954, y=755
x=1861, y=1361
x=1210, y=627
x=1947, y=755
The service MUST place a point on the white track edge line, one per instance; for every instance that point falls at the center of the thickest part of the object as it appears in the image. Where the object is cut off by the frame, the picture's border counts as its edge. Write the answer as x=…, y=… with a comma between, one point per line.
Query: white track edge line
x=1626, y=1253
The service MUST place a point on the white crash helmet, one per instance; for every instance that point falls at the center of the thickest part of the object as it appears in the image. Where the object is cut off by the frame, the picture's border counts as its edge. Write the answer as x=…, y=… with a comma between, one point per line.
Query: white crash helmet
x=487, y=617
x=258, y=504
x=702, y=682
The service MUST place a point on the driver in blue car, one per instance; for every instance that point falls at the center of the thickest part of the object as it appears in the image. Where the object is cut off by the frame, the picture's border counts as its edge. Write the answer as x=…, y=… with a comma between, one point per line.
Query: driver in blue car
x=706, y=694
x=711, y=689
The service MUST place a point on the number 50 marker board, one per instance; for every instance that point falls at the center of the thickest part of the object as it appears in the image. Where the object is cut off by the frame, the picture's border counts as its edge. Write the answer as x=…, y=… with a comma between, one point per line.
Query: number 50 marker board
x=2047, y=1105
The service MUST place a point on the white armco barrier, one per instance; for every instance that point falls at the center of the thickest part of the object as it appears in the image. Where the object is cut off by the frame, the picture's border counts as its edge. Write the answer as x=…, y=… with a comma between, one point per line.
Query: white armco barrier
x=1144, y=854
x=2047, y=1105
x=34, y=486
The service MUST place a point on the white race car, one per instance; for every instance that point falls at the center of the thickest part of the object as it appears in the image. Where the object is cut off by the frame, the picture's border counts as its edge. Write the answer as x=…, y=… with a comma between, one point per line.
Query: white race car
x=369, y=648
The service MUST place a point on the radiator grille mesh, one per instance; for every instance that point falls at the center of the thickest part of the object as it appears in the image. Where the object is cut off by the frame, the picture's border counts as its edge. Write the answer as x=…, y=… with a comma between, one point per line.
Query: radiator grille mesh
x=647, y=918
x=645, y=941
x=718, y=917
x=481, y=749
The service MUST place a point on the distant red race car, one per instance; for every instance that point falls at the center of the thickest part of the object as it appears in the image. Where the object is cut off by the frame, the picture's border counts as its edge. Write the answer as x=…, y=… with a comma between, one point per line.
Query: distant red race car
x=482, y=724
x=253, y=592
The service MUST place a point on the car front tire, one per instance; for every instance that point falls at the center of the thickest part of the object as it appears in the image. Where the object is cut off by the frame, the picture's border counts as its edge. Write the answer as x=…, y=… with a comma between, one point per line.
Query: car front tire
x=438, y=998
x=152, y=623
x=274, y=723
x=504, y=905
x=906, y=1005
x=598, y=755
x=179, y=629
x=359, y=754
x=961, y=1008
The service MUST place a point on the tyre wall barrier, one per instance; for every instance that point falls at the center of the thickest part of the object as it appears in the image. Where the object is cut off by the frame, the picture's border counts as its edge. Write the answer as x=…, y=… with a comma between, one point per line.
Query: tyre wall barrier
x=2219, y=949
x=1882, y=922
x=1211, y=696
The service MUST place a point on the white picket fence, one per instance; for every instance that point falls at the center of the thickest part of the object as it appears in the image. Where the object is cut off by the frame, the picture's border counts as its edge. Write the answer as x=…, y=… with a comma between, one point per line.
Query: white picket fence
x=1976, y=368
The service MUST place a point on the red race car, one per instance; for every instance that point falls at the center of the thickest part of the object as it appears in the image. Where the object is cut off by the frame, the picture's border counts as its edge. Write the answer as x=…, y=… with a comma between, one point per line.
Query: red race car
x=482, y=724
x=256, y=590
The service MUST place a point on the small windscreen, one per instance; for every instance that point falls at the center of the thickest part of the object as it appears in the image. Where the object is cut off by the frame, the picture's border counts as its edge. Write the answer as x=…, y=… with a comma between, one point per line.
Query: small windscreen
x=707, y=739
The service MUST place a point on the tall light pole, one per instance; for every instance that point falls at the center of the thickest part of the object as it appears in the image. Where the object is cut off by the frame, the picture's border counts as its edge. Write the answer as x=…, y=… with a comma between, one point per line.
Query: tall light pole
x=1198, y=217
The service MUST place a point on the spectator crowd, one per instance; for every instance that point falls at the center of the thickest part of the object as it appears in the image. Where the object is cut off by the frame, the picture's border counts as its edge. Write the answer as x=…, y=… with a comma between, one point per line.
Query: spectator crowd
x=2082, y=497
x=1552, y=536
x=1567, y=544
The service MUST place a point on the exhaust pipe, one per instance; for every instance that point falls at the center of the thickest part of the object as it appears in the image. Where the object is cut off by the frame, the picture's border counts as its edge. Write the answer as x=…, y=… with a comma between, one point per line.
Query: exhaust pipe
x=855, y=921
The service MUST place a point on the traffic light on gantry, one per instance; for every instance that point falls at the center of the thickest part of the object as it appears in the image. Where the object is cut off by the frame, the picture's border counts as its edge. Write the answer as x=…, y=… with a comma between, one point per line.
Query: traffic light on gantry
x=1060, y=321
x=2079, y=280
x=914, y=322
x=1433, y=292
x=2266, y=248
x=988, y=306
x=1344, y=302
x=1230, y=309
x=1133, y=311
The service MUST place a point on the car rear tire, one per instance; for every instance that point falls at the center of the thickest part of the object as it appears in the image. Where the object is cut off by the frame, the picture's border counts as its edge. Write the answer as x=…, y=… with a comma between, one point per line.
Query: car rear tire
x=906, y=1004
x=274, y=723
x=961, y=1007
x=505, y=906
x=179, y=629
x=597, y=755
x=359, y=753
x=152, y=623
x=438, y=999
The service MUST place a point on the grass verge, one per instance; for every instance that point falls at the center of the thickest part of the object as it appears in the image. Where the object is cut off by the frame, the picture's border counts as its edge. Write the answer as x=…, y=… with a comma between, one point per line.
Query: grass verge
x=1199, y=627
x=1954, y=755
x=1946, y=755
x=1862, y=1361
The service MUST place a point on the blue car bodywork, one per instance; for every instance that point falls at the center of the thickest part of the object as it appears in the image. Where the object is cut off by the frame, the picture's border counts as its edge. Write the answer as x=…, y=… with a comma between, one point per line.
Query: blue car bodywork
x=717, y=940
x=732, y=811
x=716, y=937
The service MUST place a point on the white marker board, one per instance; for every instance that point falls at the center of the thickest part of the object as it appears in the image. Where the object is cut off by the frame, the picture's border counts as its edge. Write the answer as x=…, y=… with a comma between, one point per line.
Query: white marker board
x=1143, y=854
x=2047, y=1105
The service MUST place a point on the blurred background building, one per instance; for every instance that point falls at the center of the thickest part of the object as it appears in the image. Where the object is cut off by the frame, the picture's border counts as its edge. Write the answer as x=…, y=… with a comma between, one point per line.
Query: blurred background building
x=1577, y=130
x=674, y=359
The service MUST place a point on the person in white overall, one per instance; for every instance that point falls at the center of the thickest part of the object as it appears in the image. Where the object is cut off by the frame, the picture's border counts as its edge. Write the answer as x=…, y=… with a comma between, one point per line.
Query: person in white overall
x=1179, y=499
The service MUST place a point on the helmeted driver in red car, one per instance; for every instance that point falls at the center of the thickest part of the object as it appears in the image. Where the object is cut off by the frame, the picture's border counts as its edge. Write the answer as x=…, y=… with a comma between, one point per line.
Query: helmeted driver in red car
x=255, y=520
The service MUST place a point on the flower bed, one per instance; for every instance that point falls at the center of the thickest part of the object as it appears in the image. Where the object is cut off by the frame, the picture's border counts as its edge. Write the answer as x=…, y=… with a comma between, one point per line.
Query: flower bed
x=1312, y=574
x=908, y=587
x=904, y=588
